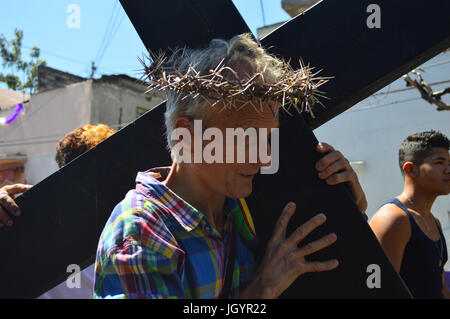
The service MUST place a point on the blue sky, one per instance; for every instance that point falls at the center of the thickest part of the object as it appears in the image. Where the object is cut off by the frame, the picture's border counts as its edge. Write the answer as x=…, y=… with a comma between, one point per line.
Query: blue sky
x=44, y=23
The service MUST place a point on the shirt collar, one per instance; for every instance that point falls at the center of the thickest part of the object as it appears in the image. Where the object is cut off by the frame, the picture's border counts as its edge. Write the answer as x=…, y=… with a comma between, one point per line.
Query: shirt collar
x=150, y=184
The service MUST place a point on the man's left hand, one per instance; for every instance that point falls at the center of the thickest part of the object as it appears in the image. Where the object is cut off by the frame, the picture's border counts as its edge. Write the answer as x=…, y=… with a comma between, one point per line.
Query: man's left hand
x=8, y=206
x=334, y=168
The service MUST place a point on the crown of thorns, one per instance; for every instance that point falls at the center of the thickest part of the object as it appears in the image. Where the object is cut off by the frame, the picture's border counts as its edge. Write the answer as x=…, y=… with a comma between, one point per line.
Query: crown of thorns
x=296, y=89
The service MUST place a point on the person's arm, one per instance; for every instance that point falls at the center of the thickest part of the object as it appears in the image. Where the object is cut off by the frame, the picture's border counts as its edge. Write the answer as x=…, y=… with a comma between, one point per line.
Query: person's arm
x=393, y=230
x=8, y=206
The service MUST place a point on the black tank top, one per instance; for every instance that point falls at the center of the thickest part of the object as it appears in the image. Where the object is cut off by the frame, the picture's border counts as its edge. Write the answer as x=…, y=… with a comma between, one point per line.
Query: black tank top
x=420, y=264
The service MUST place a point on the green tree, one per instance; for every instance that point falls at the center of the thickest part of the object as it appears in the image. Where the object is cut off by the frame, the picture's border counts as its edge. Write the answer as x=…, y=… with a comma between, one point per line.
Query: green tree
x=13, y=67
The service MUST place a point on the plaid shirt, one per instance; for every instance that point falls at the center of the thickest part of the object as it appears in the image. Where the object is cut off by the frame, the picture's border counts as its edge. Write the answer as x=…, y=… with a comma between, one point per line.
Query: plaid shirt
x=156, y=245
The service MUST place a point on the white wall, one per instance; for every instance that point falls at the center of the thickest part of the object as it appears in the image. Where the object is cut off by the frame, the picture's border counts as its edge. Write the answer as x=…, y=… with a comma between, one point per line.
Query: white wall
x=112, y=99
x=374, y=136
x=48, y=117
x=40, y=166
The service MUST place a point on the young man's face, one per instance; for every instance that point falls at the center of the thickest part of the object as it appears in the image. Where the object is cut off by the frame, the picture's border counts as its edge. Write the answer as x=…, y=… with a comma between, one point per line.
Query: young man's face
x=434, y=173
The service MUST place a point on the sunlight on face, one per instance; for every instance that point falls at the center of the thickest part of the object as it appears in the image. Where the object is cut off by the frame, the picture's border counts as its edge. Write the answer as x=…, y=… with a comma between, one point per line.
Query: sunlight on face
x=235, y=179
x=435, y=172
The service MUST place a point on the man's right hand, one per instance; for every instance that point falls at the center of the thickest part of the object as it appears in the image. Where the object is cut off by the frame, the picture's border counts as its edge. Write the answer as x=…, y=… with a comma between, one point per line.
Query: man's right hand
x=7, y=204
x=284, y=262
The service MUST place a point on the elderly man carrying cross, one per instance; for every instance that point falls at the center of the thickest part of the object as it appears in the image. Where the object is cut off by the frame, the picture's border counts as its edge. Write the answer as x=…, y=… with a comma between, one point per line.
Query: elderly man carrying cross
x=175, y=235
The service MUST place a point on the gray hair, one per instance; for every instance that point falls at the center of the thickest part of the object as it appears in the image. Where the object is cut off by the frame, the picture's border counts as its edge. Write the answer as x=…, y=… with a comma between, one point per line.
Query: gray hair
x=242, y=54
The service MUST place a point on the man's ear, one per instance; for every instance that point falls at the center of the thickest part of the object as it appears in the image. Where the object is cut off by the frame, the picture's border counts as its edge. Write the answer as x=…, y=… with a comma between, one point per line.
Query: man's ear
x=410, y=169
x=185, y=130
x=184, y=121
x=181, y=138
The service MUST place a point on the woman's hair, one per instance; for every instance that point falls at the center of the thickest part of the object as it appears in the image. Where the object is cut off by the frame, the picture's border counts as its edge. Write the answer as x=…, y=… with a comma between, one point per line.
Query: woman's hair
x=78, y=141
x=417, y=146
x=242, y=54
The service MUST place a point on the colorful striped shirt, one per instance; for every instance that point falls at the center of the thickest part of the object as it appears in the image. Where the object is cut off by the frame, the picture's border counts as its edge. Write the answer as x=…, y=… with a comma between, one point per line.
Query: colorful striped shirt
x=156, y=245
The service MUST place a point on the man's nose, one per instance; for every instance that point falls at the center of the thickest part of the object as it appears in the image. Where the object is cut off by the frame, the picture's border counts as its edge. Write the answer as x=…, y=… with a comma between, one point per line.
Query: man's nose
x=447, y=170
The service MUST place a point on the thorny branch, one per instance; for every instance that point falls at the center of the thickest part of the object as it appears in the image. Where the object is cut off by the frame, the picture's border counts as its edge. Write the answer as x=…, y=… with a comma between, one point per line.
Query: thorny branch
x=294, y=88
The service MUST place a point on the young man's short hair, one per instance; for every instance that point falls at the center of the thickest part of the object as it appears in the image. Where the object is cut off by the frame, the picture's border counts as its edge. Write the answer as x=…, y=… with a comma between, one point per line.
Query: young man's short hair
x=416, y=147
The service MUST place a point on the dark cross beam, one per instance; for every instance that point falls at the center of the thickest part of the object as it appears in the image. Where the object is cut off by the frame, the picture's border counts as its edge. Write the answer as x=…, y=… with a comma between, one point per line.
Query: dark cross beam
x=171, y=24
x=64, y=215
x=334, y=36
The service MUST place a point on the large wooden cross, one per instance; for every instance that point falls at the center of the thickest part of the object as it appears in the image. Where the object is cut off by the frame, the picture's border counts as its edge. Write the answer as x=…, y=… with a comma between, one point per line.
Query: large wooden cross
x=64, y=215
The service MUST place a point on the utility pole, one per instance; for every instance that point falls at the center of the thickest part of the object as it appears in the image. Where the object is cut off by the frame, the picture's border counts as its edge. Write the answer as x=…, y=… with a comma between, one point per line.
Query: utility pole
x=93, y=69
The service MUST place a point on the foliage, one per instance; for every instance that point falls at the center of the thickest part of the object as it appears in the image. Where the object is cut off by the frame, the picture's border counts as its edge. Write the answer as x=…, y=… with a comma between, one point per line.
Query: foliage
x=12, y=62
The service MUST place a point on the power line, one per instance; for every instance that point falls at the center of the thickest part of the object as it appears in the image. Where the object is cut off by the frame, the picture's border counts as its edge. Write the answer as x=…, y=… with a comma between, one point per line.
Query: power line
x=433, y=65
x=113, y=34
x=110, y=33
x=59, y=56
x=408, y=88
x=418, y=68
x=84, y=63
x=262, y=11
x=368, y=107
x=125, y=66
x=106, y=31
x=427, y=92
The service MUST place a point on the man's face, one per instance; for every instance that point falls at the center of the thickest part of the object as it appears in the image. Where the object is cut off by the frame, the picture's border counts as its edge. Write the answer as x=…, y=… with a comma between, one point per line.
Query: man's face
x=235, y=179
x=434, y=173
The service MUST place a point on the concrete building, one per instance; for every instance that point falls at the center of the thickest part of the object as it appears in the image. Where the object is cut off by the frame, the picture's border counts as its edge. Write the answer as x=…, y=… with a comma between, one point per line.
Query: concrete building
x=49, y=78
x=29, y=143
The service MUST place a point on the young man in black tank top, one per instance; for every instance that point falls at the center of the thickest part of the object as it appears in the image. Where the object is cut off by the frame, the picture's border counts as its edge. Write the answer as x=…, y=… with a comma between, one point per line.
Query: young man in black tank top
x=405, y=226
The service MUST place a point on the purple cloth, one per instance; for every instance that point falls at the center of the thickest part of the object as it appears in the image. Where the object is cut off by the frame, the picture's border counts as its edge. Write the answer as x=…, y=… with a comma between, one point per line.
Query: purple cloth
x=447, y=279
x=12, y=117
